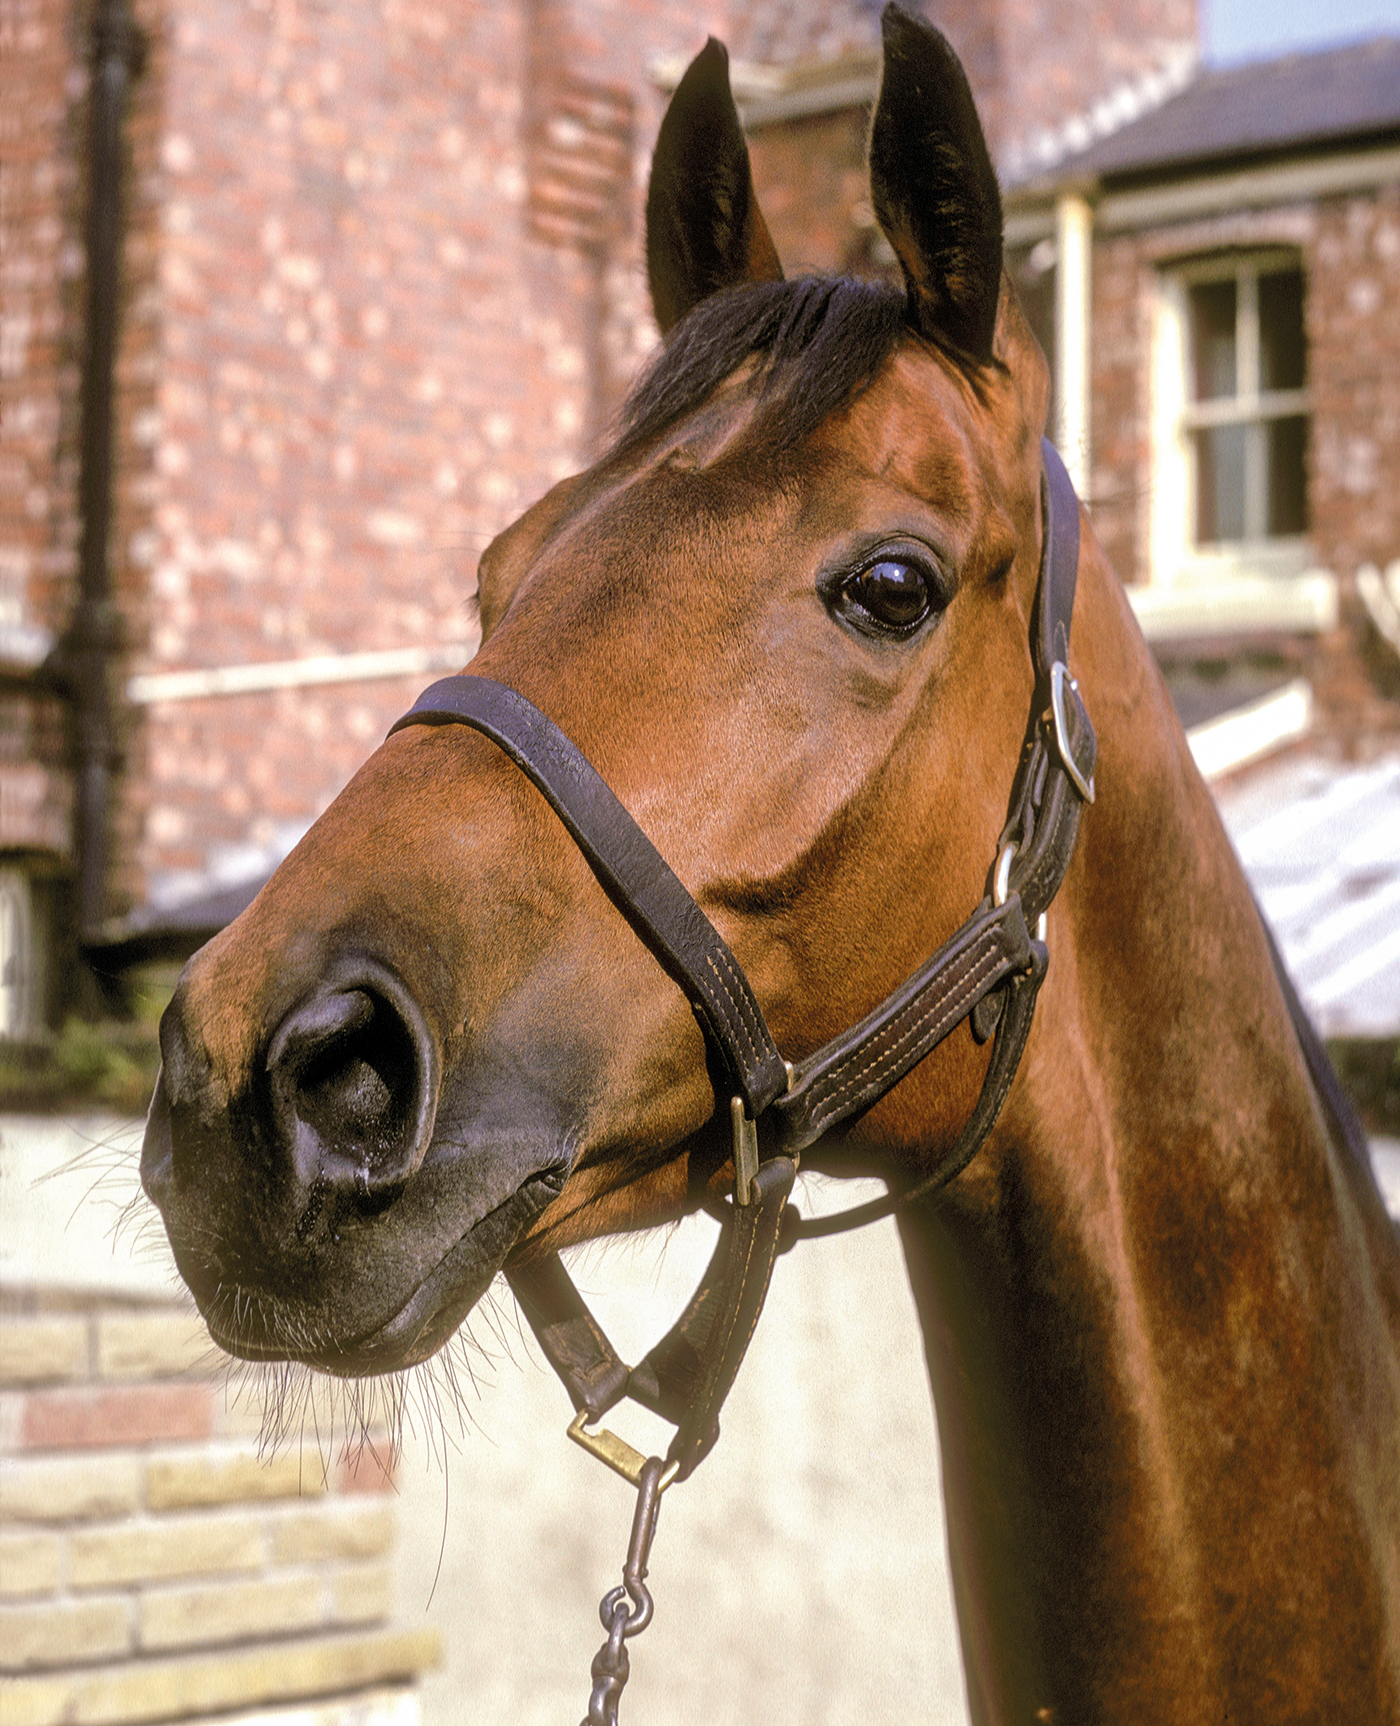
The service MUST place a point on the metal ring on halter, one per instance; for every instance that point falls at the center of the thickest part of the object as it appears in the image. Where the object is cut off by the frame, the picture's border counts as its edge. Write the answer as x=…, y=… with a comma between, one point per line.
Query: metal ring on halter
x=1001, y=880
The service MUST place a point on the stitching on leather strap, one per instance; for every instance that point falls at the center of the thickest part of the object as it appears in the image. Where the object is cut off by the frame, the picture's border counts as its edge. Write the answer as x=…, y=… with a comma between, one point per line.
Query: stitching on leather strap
x=942, y=1013
x=739, y=1002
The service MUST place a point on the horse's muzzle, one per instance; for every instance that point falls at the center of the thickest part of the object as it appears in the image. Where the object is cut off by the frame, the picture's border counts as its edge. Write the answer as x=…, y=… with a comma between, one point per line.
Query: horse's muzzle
x=342, y=1105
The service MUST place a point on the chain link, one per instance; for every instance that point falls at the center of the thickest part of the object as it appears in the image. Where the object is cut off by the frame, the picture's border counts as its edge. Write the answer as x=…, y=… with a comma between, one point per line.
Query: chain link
x=627, y=1609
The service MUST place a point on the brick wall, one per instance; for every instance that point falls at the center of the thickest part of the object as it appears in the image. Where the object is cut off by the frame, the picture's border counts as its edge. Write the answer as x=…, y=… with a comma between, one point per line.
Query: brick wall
x=814, y=190
x=351, y=350
x=365, y=368
x=153, y=1564
x=40, y=311
x=1120, y=316
x=40, y=308
x=1353, y=265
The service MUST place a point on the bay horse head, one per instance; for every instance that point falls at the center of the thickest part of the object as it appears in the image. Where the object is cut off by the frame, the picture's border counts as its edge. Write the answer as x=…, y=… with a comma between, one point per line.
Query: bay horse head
x=787, y=618
x=793, y=622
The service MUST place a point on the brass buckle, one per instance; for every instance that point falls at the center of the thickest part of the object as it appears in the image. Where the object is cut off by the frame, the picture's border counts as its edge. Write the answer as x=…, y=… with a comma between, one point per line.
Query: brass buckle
x=1059, y=676
x=616, y=1452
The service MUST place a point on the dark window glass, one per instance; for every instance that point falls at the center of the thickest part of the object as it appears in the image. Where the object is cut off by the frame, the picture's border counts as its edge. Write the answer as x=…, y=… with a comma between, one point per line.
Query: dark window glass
x=1219, y=484
x=1282, y=349
x=1288, y=488
x=1213, y=339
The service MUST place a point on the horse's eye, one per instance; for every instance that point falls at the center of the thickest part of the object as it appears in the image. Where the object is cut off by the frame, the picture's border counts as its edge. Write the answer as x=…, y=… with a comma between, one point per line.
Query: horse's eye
x=894, y=593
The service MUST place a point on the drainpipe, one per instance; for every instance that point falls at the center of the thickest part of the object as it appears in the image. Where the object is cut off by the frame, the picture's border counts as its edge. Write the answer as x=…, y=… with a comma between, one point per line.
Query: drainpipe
x=1074, y=239
x=94, y=635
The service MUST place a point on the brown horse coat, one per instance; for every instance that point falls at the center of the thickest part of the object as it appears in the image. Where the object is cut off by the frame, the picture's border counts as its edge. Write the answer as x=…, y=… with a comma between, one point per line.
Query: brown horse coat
x=1162, y=1308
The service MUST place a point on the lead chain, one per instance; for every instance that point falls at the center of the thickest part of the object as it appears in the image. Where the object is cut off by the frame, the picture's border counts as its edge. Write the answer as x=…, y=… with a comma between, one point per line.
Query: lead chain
x=626, y=1610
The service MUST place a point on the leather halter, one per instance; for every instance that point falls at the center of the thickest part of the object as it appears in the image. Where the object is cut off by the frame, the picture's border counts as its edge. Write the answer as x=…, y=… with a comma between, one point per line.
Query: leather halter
x=990, y=970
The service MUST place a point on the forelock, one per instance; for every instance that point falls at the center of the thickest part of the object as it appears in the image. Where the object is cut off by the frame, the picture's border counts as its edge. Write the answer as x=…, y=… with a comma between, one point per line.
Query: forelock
x=818, y=342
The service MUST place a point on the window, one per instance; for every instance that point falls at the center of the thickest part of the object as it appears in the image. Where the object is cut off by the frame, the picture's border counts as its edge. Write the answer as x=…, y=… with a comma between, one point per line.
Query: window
x=1230, y=407
x=1246, y=410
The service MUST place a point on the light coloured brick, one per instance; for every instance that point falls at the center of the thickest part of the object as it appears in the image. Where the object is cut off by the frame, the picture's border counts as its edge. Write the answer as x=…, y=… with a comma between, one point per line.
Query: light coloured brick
x=61, y=1489
x=158, y=1550
x=154, y=1345
x=357, y=1530
x=43, y=1350
x=186, y=1480
x=229, y=1612
x=362, y=1594
x=181, y=1687
x=63, y=1633
x=30, y=1563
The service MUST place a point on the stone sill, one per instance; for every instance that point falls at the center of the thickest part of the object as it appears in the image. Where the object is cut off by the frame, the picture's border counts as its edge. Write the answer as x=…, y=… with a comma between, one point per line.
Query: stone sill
x=1238, y=606
x=188, y=1687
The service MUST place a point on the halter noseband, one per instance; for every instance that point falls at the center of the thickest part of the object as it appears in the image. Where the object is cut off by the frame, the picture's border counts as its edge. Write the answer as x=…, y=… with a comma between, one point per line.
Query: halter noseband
x=990, y=971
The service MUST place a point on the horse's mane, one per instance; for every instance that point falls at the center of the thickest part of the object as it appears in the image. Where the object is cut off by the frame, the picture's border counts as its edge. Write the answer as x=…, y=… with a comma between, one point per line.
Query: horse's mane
x=818, y=342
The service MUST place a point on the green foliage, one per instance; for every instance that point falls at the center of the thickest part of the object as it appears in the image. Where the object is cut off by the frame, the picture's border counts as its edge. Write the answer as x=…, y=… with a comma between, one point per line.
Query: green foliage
x=107, y=1063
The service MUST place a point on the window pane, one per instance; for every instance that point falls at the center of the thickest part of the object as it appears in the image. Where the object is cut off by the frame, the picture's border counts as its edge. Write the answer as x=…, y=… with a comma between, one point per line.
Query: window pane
x=1213, y=339
x=1219, y=484
x=1288, y=488
x=1282, y=349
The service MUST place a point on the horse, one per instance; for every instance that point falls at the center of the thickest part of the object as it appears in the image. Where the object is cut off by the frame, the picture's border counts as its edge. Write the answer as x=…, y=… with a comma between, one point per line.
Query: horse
x=789, y=624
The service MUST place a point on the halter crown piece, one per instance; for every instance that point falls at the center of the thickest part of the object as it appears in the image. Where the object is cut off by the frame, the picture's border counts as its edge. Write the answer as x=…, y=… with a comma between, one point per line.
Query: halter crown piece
x=990, y=971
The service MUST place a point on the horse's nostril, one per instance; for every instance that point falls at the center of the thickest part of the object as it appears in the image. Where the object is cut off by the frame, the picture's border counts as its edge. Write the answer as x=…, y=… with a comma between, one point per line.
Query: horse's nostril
x=352, y=1072
x=357, y=1087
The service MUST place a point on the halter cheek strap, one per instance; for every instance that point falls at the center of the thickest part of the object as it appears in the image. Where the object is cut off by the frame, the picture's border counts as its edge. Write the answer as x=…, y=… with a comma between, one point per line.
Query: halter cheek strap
x=990, y=970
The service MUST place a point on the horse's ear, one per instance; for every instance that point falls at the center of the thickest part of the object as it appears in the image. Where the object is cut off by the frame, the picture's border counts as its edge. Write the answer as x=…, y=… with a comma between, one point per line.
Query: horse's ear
x=704, y=228
x=933, y=188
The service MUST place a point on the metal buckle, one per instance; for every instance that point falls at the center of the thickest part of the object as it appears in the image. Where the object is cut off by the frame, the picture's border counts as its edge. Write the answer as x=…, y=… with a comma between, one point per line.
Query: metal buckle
x=1001, y=880
x=1001, y=884
x=1059, y=674
x=745, y=1149
x=616, y=1452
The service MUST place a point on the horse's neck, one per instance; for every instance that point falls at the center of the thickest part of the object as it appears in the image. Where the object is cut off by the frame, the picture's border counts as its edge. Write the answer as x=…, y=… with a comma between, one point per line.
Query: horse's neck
x=1162, y=1314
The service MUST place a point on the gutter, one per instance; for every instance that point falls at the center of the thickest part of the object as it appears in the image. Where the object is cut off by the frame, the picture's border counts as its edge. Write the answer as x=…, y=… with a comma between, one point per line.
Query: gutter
x=82, y=663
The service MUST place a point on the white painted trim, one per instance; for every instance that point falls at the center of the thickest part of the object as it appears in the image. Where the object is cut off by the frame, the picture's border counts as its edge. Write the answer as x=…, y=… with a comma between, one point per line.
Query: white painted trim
x=1246, y=605
x=1380, y=594
x=1250, y=188
x=765, y=93
x=857, y=92
x=1249, y=733
x=1074, y=253
x=1030, y=214
x=147, y=688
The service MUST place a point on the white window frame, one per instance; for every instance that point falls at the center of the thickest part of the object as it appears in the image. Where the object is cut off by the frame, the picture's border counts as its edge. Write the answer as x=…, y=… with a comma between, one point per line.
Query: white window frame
x=1264, y=582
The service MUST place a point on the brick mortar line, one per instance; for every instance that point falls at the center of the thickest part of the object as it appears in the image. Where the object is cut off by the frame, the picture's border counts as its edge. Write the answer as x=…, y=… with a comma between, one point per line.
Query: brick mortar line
x=208, y=1683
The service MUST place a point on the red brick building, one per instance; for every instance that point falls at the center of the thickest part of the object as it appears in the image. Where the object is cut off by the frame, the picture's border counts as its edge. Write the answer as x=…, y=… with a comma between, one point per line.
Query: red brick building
x=380, y=285
x=1219, y=281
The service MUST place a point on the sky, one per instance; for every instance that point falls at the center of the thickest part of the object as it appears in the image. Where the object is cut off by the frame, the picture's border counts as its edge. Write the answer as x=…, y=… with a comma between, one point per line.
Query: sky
x=1250, y=29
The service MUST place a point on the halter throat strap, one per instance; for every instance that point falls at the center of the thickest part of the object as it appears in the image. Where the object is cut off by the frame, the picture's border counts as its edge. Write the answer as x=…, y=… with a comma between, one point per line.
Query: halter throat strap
x=990, y=970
